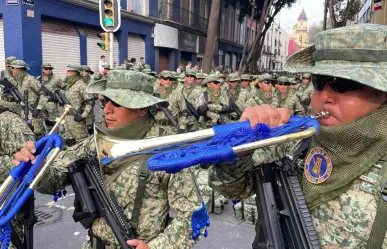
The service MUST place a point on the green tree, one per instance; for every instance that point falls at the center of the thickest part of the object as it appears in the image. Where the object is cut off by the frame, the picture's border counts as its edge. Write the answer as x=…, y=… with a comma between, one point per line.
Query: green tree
x=313, y=30
x=341, y=11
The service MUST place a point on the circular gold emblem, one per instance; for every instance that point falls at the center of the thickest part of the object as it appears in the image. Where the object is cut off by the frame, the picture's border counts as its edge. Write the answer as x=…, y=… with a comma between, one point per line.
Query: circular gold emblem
x=216, y=92
x=284, y=95
x=267, y=95
x=232, y=91
x=318, y=166
x=187, y=85
x=163, y=91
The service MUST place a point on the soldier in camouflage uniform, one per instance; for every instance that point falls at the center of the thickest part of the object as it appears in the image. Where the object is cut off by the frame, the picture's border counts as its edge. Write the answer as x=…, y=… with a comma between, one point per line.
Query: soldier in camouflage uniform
x=168, y=91
x=213, y=104
x=14, y=133
x=188, y=120
x=304, y=93
x=293, y=82
x=262, y=93
x=88, y=80
x=199, y=79
x=245, y=82
x=7, y=72
x=129, y=118
x=345, y=171
x=104, y=75
x=8, y=102
x=24, y=81
x=236, y=94
x=48, y=84
x=285, y=99
x=82, y=102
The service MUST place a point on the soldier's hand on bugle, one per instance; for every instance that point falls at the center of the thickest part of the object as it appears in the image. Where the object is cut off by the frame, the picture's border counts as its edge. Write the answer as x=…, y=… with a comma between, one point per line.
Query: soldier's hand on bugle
x=266, y=114
x=25, y=154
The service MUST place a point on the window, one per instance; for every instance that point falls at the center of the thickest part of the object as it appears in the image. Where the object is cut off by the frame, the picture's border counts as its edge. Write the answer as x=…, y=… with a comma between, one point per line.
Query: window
x=138, y=6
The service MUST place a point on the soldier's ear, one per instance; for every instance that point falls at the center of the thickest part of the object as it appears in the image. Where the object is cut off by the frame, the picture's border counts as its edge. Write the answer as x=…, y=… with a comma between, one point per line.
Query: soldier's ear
x=143, y=112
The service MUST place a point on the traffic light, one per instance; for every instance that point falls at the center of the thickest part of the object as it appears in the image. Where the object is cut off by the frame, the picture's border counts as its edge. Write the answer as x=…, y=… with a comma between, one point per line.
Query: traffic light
x=110, y=15
x=104, y=42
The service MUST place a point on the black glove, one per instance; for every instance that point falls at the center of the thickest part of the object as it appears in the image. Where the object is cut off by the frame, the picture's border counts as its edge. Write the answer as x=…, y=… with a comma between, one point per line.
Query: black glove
x=202, y=109
x=79, y=118
x=306, y=102
x=35, y=113
x=180, y=131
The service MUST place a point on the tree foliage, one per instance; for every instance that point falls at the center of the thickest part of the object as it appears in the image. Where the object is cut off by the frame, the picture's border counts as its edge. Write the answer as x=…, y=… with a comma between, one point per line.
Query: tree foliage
x=341, y=11
x=265, y=12
x=313, y=30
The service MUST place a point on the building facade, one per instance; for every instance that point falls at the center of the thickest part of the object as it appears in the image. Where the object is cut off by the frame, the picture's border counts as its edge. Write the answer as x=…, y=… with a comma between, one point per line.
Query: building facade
x=275, y=49
x=64, y=32
x=300, y=30
x=373, y=12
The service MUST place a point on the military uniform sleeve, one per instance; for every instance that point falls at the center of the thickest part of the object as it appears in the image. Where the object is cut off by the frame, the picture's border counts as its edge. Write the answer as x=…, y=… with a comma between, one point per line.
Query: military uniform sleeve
x=298, y=108
x=14, y=133
x=34, y=85
x=57, y=177
x=184, y=197
x=88, y=101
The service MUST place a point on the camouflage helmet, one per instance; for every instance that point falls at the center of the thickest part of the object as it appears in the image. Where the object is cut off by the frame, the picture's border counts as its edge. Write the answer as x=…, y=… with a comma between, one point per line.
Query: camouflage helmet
x=47, y=65
x=306, y=76
x=130, y=89
x=147, y=71
x=19, y=64
x=356, y=53
x=9, y=59
x=233, y=77
x=147, y=66
x=166, y=74
x=87, y=69
x=106, y=66
x=293, y=80
x=211, y=78
x=283, y=79
x=190, y=72
x=200, y=76
x=76, y=68
x=245, y=77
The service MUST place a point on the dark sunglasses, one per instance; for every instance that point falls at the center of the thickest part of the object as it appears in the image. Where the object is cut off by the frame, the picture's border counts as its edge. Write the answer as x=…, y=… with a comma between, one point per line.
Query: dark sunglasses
x=266, y=82
x=338, y=85
x=215, y=82
x=282, y=84
x=45, y=68
x=105, y=100
x=293, y=84
x=170, y=79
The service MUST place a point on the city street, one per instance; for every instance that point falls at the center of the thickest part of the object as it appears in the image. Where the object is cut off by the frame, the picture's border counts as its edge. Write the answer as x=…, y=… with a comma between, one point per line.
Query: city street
x=56, y=228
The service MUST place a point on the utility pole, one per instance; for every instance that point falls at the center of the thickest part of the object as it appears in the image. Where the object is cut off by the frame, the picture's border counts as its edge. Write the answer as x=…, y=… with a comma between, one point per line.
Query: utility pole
x=325, y=15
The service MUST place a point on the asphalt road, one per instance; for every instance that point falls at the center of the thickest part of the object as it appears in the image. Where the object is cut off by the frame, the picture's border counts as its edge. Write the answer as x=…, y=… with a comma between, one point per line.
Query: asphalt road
x=57, y=229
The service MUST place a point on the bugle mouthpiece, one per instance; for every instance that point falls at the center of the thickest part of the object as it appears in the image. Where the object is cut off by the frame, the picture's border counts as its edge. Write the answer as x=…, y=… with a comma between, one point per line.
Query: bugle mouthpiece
x=322, y=114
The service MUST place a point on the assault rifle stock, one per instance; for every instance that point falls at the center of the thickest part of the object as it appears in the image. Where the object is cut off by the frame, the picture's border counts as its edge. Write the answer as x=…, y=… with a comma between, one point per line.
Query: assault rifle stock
x=235, y=108
x=62, y=100
x=284, y=220
x=14, y=92
x=92, y=200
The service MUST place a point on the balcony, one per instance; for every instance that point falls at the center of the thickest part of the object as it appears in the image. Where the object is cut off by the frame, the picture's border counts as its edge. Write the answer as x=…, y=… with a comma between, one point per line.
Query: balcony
x=171, y=12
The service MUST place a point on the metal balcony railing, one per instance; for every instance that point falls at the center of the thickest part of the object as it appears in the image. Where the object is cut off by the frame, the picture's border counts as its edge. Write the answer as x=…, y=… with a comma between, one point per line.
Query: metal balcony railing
x=183, y=16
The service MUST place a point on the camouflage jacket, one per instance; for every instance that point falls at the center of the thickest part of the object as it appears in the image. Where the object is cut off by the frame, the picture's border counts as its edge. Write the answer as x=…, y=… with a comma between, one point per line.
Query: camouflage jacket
x=79, y=99
x=173, y=98
x=241, y=99
x=162, y=192
x=54, y=84
x=290, y=101
x=218, y=107
x=305, y=93
x=31, y=84
x=187, y=121
x=259, y=97
x=343, y=222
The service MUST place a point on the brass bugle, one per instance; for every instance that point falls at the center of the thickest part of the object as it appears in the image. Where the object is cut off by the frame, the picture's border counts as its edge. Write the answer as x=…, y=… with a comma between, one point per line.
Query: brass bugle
x=112, y=147
x=9, y=181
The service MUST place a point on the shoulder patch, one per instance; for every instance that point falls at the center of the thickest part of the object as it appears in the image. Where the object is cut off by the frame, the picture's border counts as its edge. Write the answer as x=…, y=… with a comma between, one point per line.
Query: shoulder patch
x=318, y=166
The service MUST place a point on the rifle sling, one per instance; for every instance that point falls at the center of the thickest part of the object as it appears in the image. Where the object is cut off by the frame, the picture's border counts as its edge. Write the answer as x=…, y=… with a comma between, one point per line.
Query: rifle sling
x=143, y=175
x=379, y=227
x=16, y=242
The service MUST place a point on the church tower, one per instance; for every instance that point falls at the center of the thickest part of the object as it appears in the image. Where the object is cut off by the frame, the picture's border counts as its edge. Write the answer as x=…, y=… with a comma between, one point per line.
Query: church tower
x=300, y=30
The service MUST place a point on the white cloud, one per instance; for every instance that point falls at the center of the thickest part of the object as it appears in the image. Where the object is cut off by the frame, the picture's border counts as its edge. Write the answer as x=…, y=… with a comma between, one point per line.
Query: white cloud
x=314, y=10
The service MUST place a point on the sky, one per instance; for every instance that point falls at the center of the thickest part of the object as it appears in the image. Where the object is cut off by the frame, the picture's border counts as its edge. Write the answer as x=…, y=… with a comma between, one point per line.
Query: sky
x=314, y=11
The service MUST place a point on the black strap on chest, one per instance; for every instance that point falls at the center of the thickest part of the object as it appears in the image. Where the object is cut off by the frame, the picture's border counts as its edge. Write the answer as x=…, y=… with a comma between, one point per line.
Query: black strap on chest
x=143, y=175
x=379, y=227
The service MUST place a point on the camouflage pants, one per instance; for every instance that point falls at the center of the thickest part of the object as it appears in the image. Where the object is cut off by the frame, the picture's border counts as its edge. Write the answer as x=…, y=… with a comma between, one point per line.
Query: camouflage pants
x=213, y=200
x=246, y=211
x=50, y=112
x=74, y=130
x=38, y=125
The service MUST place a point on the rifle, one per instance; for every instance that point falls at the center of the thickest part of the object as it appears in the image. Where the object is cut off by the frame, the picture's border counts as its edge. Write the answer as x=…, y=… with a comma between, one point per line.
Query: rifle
x=284, y=220
x=26, y=111
x=15, y=93
x=190, y=107
x=47, y=92
x=235, y=108
x=62, y=100
x=92, y=200
x=167, y=113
